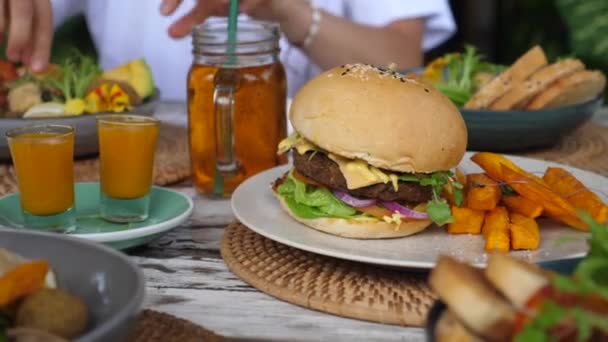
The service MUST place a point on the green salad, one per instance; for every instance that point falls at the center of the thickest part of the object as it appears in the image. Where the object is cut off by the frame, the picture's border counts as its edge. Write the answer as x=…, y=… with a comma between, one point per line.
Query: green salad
x=459, y=75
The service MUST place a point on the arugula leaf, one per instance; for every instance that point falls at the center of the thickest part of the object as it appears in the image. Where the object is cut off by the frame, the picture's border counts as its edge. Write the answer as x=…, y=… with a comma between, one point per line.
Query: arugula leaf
x=408, y=177
x=507, y=190
x=583, y=324
x=549, y=315
x=439, y=211
x=308, y=201
x=458, y=196
x=598, y=243
x=590, y=278
x=437, y=208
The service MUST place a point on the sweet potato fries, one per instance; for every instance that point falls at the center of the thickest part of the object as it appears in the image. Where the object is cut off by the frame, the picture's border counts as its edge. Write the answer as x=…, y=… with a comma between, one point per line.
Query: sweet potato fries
x=504, y=201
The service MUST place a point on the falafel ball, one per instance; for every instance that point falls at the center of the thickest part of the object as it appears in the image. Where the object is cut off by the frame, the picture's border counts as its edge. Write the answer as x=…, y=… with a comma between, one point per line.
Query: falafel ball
x=54, y=311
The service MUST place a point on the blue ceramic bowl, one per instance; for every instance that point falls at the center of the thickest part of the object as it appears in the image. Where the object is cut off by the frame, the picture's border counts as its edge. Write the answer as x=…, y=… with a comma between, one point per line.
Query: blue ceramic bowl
x=110, y=284
x=512, y=131
x=519, y=130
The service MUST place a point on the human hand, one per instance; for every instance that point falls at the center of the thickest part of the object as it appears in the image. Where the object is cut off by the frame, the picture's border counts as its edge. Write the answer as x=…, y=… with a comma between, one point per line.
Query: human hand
x=29, y=25
x=272, y=10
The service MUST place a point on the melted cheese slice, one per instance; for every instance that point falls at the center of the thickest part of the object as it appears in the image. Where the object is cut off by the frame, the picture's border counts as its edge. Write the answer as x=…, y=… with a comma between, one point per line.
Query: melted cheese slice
x=358, y=173
x=295, y=141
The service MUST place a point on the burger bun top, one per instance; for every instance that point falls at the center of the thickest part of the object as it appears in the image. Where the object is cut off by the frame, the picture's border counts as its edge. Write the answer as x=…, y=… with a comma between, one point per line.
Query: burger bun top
x=377, y=115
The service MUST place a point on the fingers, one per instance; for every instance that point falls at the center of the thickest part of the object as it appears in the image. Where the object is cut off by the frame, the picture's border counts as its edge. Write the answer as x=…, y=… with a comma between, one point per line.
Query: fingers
x=250, y=5
x=43, y=35
x=167, y=7
x=184, y=25
x=3, y=21
x=26, y=55
x=21, y=14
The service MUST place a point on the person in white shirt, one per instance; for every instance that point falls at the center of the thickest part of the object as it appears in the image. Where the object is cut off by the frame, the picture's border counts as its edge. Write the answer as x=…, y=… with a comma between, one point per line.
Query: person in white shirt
x=369, y=31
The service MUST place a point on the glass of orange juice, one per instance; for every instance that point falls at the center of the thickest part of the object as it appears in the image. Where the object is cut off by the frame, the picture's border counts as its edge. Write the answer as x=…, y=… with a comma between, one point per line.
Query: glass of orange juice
x=43, y=157
x=126, y=152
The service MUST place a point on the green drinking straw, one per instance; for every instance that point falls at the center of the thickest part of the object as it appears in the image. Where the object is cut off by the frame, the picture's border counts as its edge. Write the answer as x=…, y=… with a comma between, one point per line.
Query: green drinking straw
x=233, y=13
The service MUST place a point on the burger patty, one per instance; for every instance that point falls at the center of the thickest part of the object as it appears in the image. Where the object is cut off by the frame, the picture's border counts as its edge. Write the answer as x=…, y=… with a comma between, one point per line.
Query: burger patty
x=325, y=171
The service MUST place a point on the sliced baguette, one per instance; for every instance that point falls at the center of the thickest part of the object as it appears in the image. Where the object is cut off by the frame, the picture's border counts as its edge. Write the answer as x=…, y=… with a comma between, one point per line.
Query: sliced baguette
x=523, y=91
x=515, y=279
x=579, y=87
x=525, y=66
x=472, y=299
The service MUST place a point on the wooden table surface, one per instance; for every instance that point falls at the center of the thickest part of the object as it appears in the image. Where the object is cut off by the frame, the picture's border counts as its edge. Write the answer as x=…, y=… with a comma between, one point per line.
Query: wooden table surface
x=187, y=277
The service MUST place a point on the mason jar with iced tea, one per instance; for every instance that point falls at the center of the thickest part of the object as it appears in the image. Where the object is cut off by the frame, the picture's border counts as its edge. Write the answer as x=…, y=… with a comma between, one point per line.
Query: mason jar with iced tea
x=236, y=104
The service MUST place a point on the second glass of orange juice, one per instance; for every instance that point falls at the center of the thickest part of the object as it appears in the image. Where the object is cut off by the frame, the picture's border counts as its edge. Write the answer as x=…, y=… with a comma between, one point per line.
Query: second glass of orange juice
x=126, y=152
x=43, y=157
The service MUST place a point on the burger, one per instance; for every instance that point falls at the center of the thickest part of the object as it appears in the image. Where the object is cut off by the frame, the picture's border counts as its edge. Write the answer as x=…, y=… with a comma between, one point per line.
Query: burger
x=372, y=154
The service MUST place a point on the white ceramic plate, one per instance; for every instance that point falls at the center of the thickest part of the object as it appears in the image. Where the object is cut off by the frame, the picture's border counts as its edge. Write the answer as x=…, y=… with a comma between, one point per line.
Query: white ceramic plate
x=255, y=206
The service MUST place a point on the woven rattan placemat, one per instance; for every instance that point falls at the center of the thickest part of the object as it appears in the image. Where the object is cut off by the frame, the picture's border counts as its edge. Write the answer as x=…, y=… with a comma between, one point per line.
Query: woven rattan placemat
x=172, y=162
x=364, y=291
x=154, y=326
x=326, y=284
x=586, y=148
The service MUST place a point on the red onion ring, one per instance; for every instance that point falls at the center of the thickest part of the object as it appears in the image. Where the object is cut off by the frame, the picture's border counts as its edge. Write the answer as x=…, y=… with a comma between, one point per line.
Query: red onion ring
x=405, y=211
x=353, y=201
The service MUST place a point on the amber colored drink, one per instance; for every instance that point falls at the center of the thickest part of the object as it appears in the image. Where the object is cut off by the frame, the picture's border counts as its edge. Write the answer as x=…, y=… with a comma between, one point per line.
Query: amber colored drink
x=44, y=166
x=126, y=151
x=259, y=124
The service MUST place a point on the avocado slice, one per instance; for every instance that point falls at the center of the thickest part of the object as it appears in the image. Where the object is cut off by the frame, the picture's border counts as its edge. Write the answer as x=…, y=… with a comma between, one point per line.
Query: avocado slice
x=137, y=73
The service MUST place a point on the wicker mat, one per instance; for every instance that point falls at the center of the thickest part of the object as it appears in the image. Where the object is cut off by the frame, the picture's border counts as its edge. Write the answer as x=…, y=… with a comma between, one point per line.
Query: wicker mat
x=364, y=291
x=172, y=162
x=326, y=284
x=154, y=326
x=586, y=148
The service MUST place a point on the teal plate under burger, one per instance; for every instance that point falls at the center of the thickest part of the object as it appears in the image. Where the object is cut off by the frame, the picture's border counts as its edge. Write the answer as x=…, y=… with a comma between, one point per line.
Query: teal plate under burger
x=168, y=209
x=518, y=130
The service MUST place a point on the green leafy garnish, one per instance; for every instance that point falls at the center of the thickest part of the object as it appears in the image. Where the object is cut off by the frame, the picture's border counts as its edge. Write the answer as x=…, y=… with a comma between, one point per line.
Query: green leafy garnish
x=438, y=208
x=598, y=244
x=549, y=315
x=552, y=314
x=309, y=201
x=458, y=81
x=77, y=74
x=439, y=211
x=458, y=197
x=507, y=190
x=590, y=278
x=407, y=177
x=591, y=273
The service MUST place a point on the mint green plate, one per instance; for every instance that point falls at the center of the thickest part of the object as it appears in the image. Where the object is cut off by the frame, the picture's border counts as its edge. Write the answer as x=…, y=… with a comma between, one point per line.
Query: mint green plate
x=168, y=209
